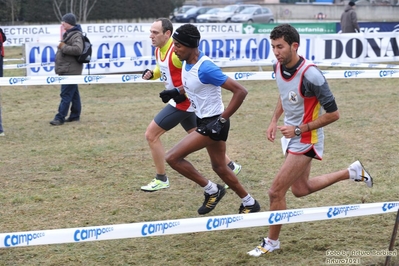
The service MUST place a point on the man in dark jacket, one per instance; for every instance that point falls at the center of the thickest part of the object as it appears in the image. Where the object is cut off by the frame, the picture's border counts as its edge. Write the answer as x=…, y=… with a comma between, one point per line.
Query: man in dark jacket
x=66, y=64
x=349, y=19
x=2, y=40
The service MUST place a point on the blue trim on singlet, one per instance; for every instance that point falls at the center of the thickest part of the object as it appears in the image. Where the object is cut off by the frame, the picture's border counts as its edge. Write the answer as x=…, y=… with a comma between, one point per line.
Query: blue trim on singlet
x=209, y=73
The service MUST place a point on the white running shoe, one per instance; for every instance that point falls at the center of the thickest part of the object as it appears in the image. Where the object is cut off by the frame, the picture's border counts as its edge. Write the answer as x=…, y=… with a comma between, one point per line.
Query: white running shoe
x=359, y=174
x=155, y=185
x=265, y=247
x=237, y=168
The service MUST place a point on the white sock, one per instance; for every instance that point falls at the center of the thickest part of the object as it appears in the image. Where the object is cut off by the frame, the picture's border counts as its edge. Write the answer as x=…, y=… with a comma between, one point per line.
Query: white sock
x=248, y=200
x=211, y=188
x=271, y=241
x=352, y=174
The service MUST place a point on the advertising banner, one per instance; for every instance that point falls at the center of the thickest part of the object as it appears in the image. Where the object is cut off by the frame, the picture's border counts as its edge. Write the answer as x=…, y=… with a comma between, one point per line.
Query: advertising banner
x=18, y=35
x=136, y=54
x=302, y=28
x=370, y=27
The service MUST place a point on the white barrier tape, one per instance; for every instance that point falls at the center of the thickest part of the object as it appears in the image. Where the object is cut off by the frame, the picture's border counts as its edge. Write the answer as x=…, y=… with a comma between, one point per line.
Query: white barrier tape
x=221, y=62
x=13, y=59
x=191, y=225
x=92, y=61
x=136, y=78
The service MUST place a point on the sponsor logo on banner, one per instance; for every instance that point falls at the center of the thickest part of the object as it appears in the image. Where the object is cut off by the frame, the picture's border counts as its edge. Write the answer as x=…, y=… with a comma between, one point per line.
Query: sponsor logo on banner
x=352, y=74
x=51, y=80
x=94, y=78
x=22, y=239
x=276, y=217
x=243, y=75
x=325, y=72
x=131, y=77
x=14, y=81
x=214, y=223
x=335, y=211
x=302, y=28
x=22, y=65
x=388, y=206
x=85, y=234
x=152, y=228
x=388, y=73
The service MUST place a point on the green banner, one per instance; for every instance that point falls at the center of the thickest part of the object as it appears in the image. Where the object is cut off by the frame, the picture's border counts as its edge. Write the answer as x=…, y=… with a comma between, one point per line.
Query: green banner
x=302, y=28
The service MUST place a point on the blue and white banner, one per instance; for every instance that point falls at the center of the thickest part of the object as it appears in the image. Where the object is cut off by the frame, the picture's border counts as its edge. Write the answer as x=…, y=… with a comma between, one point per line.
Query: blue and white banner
x=136, y=78
x=136, y=54
x=22, y=34
x=191, y=225
x=373, y=27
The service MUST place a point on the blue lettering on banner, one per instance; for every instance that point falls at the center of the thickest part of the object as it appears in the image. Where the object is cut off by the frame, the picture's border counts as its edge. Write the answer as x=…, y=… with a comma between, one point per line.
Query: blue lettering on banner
x=84, y=234
x=214, y=223
x=332, y=212
x=280, y=216
x=273, y=75
x=22, y=65
x=352, y=74
x=51, y=80
x=47, y=55
x=117, y=51
x=133, y=77
x=18, y=240
x=243, y=75
x=354, y=64
x=231, y=48
x=94, y=78
x=388, y=206
x=14, y=81
x=149, y=229
x=387, y=73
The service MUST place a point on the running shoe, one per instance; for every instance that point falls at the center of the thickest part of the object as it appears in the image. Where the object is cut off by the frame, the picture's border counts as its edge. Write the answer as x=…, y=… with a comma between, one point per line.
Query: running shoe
x=236, y=170
x=211, y=201
x=155, y=185
x=249, y=209
x=359, y=174
x=265, y=247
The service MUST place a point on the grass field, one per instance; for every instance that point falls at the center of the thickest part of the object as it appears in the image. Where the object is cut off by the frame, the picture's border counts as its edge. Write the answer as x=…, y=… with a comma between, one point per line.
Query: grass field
x=89, y=174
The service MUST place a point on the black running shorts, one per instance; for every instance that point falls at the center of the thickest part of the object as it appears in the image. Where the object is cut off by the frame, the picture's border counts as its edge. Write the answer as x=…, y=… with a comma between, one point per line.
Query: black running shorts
x=169, y=117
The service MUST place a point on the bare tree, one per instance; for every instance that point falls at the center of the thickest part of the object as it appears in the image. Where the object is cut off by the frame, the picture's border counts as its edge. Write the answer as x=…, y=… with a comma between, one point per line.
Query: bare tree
x=14, y=6
x=81, y=8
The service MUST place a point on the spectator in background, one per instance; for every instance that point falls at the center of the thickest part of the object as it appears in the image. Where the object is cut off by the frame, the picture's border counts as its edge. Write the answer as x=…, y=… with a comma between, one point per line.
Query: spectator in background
x=2, y=40
x=66, y=64
x=349, y=19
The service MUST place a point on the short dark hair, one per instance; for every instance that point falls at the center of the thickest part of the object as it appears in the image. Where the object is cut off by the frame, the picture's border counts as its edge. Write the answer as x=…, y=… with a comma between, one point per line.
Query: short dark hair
x=287, y=32
x=166, y=24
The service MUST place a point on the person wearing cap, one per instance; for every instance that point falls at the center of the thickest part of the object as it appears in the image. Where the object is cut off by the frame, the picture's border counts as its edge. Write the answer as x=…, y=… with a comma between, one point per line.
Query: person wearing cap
x=69, y=47
x=177, y=111
x=202, y=82
x=349, y=19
